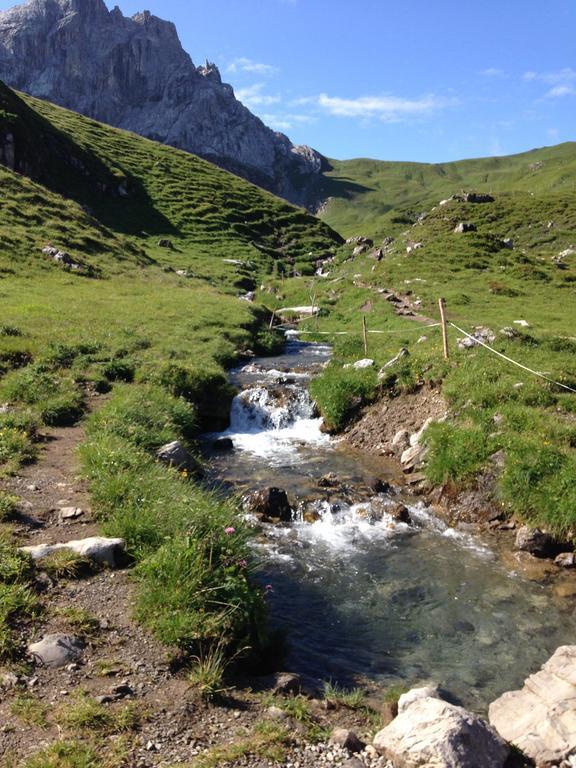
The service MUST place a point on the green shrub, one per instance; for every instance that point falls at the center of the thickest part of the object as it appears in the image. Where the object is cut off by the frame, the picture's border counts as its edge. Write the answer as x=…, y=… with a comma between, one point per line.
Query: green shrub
x=15, y=566
x=196, y=589
x=145, y=415
x=456, y=452
x=8, y=507
x=119, y=370
x=57, y=397
x=16, y=448
x=340, y=392
x=208, y=390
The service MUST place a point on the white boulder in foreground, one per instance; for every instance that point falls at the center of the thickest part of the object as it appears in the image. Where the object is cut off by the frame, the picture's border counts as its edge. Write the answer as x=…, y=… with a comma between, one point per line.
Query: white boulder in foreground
x=100, y=550
x=434, y=734
x=540, y=719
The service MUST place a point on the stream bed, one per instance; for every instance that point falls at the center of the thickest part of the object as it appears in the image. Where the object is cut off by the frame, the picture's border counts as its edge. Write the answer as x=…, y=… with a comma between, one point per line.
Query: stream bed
x=363, y=597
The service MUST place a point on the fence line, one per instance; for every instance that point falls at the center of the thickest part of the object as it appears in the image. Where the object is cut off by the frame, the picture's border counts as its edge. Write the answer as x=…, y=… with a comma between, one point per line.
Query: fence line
x=356, y=333
x=510, y=360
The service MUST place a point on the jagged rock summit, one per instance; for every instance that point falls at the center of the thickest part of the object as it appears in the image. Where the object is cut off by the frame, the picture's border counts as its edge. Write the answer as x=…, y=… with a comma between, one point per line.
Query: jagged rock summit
x=133, y=73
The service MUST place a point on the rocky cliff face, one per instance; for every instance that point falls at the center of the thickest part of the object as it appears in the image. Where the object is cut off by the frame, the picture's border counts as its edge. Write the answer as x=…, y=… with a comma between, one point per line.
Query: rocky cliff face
x=133, y=73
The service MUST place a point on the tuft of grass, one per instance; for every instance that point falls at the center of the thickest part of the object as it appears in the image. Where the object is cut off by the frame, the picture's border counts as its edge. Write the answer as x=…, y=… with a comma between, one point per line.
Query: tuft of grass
x=86, y=714
x=17, y=602
x=8, y=506
x=30, y=709
x=208, y=670
x=66, y=564
x=352, y=699
x=80, y=620
x=54, y=396
x=16, y=448
x=269, y=741
x=65, y=754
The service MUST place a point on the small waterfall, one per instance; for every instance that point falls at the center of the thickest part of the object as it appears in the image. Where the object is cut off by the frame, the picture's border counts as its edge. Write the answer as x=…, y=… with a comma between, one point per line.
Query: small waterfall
x=260, y=409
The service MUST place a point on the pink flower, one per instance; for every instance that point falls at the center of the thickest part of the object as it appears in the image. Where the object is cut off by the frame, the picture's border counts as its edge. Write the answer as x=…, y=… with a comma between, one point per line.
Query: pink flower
x=229, y=531
x=242, y=563
x=269, y=588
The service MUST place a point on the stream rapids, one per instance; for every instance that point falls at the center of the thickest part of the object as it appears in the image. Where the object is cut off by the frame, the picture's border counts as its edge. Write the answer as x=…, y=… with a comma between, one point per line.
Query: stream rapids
x=362, y=597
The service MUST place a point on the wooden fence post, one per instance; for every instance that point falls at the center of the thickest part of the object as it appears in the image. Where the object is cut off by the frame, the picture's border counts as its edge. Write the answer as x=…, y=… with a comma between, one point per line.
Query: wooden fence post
x=365, y=335
x=442, y=305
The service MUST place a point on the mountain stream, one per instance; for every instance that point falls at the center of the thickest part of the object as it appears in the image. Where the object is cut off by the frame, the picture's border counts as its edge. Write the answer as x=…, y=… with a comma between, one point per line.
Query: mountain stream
x=361, y=596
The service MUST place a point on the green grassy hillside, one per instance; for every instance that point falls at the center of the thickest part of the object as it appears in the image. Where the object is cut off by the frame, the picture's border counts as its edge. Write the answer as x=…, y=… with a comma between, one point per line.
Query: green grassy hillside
x=518, y=265
x=146, y=307
x=377, y=198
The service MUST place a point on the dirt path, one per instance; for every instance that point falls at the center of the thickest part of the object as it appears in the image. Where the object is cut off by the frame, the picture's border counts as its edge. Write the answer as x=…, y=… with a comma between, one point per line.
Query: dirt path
x=175, y=724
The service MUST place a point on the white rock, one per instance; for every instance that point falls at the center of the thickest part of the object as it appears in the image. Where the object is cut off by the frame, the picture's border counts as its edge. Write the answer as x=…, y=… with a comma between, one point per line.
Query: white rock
x=299, y=310
x=411, y=456
x=436, y=734
x=401, y=439
x=416, y=438
x=523, y=323
x=365, y=363
x=407, y=699
x=96, y=548
x=540, y=719
x=56, y=650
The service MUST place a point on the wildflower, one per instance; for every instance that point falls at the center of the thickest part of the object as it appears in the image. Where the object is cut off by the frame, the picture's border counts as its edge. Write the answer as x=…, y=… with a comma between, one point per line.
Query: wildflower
x=268, y=588
x=229, y=531
x=242, y=563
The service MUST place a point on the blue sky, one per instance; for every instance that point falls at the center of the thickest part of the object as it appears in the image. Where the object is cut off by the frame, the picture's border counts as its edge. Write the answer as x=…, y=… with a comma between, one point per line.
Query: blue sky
x=403, y=80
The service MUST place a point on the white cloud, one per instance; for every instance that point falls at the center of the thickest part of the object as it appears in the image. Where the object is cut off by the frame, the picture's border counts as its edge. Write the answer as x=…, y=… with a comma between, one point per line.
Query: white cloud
x=243, y=64
x=285, y=122
x=561, y=90
x=492, y=72
x=561, y=77
x=386, y=108
x=252, y=96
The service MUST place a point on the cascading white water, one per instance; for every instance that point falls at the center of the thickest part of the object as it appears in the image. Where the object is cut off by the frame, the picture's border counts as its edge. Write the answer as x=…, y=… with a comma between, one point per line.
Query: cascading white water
x=257, y=410
x=273, y=424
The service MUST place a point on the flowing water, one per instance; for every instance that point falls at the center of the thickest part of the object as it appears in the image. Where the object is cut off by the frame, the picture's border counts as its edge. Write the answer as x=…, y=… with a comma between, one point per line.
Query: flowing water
x=361, y=596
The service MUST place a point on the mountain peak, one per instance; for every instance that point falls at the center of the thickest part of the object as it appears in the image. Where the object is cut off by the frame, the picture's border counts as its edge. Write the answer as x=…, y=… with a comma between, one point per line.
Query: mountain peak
x=134, y=74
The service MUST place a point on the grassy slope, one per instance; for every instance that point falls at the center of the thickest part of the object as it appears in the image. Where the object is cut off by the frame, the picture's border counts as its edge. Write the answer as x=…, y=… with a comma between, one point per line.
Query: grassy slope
x=368, y=195
x=108, y=197
x=486, y=284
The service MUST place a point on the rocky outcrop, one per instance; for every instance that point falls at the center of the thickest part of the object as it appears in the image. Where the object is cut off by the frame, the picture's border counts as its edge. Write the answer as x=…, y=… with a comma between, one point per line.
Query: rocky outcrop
x=540, y=719
x=133, y=73
x=432, y=733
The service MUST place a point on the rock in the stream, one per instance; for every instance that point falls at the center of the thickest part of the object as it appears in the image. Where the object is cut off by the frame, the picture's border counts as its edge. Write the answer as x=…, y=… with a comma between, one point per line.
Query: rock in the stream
x=269, y=504
x=104, y=551
x=56, y=650
x=535, y=541
x=412, y=457
x=435, y=734
x=399, y=512
x=223, y=444
x=540, y=719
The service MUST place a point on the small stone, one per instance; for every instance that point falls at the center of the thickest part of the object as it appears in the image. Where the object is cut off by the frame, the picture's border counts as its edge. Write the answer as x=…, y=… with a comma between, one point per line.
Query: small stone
x=276, y=713
x=346, y=739
x=69, y=513
x=9, y=680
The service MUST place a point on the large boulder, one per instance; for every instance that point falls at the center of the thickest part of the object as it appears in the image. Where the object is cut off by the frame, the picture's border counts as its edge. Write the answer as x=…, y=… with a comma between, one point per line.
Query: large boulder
x=434, y=734
x=269, y=504
x=101, y=550
x=540, y=718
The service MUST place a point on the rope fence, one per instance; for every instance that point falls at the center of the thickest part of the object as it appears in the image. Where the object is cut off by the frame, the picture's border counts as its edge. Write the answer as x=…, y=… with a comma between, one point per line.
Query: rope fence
x=444, y=326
